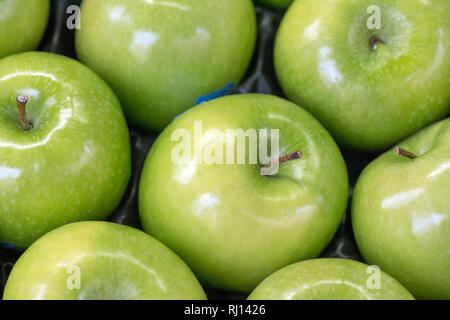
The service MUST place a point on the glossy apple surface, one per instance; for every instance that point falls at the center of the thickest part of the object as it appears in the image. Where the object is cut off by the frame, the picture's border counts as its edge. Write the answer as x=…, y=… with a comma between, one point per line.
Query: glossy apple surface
x=74, y=163
x=230, y=224
x=369, y=87
x=160, y=57
x=401, y=213
x=330, y=279
x=111, y=262
x=280, y=4
x=22, y=25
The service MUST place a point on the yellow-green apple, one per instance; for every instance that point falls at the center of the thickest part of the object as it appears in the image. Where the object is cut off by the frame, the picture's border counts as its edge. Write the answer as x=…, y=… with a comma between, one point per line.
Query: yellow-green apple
x=163, y=57
x=64, y=146
x=100, y=261
x=22, y=25
x=371, y=71
x=401, y=212
x=206, y=190
x=330, y=279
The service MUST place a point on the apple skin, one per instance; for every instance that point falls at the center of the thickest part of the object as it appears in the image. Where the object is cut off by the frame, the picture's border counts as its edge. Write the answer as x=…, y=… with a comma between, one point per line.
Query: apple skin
x=328, y=279
x=230, y=224
x=74, y=164
x=115, y=262
x=401, y=213
x=278, y=4
x=160, y=57
x=22, y=25
x=367, y=99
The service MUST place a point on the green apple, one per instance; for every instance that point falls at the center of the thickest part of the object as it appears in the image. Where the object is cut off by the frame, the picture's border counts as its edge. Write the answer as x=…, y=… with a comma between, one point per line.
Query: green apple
x=100, y=261
x=401, y=212
x=279, y=4
x=371, y=71
x=162, y=57
x=68, y=159
x=22, y=25
x=229, y=222
x=330, y=279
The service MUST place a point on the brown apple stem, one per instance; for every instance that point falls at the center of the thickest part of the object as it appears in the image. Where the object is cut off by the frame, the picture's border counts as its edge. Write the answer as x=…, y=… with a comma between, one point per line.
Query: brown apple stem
x=404, y=153
x=21, y=104
x=291, y=156
x=267, y=170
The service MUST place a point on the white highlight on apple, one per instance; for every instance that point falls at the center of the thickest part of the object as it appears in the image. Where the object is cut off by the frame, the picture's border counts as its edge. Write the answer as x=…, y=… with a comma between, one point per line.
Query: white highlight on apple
x=312, y=31
x=441, y=169
x=439, y=55
x=41, y=289
x=401, y=199
x=327, y=66
x=308, y=286
x=422, y=225
x=205, y=204
x=142, y=41
x=226, y=147
x=168, y=4
x=117, y=13
x=185, y=172
x=9, y=173
x=64, y=116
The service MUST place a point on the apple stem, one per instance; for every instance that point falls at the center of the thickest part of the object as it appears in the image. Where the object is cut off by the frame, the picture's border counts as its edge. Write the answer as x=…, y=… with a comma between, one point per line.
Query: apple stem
x=374, y=41
x=275, y=163
x=21, y=104
x=291, y=156
x=404, y=153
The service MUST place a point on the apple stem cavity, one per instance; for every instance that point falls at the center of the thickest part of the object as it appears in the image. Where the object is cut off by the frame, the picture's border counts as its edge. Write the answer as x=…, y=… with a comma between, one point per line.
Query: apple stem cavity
x=374, y=42
x=21, y=105
x=404, y=153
